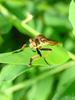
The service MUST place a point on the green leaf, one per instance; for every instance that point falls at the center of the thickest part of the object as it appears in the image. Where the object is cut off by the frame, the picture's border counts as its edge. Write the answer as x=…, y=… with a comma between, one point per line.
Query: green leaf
x=57, y=55
x=41, y=90
x=66, y=85
x=55, y=19
x=16, y=10
x=72, y=15
x=15, y=3
x=21, y=58
x=5, y=25
x=10, y=72
x=5, y=97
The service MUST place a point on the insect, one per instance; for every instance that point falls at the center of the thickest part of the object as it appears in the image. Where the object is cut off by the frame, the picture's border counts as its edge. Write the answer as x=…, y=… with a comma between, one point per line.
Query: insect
x=37, y=45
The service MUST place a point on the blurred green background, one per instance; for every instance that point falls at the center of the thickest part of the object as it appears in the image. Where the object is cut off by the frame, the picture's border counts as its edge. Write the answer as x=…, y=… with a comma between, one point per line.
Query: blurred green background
x=50, y=17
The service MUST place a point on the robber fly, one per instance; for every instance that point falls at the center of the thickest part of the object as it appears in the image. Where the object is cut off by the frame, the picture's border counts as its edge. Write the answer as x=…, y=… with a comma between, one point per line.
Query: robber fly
x=37, y=45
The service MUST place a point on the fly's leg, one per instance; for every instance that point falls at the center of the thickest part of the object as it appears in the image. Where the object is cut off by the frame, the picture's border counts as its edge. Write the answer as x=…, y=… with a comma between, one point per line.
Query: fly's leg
x=21, y=49
x=41, y=55
x=46, y=49
x=33, y=58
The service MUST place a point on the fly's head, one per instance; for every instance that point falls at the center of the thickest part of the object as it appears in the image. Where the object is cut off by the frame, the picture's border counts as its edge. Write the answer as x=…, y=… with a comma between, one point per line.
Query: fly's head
x=32, y=44
x=35, y=43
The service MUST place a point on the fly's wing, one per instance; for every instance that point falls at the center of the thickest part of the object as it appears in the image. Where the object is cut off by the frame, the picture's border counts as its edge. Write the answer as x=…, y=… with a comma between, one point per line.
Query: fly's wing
x=45, y=41
x=52, y=43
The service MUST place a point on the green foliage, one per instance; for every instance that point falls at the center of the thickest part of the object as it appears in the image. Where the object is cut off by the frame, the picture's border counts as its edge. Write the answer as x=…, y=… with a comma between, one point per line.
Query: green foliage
x=72, y=15
x=39, y=81
x=67, y=89
x=23, y=58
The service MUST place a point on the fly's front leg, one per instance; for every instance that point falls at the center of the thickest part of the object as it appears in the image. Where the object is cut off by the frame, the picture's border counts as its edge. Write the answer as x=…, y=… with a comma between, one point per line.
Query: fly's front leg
x=21, y=49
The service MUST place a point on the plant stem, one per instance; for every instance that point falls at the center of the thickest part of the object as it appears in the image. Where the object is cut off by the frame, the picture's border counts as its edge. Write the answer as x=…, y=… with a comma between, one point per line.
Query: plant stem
x=22, y=27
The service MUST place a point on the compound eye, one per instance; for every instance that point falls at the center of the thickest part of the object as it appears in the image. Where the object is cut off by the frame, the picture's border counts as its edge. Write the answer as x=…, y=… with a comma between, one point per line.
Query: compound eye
x=32, y=43
x=30, y=40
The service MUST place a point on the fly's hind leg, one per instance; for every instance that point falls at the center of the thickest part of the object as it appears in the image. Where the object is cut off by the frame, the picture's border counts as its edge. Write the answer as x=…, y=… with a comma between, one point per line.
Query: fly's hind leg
x=46, y=49
x=39, y=55
x=38, y=51
x=33, y=58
